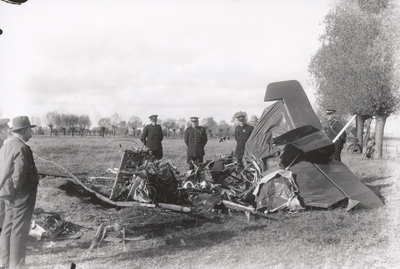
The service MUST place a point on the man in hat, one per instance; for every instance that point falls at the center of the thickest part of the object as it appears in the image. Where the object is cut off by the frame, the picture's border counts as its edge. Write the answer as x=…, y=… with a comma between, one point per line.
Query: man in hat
x=253, y=120
x=195, y=140
x=18, y=181
x=332, y=130
x=242, y=134
x=152, y=136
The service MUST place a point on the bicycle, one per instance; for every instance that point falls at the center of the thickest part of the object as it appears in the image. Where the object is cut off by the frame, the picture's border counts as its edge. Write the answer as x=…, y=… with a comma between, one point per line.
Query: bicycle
x=354, y=148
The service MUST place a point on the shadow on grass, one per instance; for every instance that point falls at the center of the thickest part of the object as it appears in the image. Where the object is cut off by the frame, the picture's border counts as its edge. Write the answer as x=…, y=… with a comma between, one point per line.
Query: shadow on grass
x=379, y=188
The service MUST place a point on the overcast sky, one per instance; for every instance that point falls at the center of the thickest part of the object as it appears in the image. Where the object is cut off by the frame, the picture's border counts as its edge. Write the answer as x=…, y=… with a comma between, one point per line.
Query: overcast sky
x=206, y=58
x=140, y=57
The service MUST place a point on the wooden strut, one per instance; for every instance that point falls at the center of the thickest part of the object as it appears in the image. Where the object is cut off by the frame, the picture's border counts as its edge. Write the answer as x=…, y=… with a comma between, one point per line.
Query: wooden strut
x=109, y=201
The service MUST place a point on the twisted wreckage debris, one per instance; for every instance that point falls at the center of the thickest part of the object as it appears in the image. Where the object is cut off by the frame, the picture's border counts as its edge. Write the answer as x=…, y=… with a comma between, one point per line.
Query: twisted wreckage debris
x=288, y=168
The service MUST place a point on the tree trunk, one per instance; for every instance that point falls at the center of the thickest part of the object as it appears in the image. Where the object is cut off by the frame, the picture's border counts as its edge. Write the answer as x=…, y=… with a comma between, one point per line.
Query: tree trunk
x=379, y=131
x=360, y=121
x=367, y=133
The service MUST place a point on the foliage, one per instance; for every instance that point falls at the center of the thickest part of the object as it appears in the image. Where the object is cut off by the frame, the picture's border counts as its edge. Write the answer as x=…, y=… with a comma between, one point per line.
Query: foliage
x=50, y=120
x=209, y=123
x=355, y=68
x=223, y=128
x=84, y=122
x=104, y=123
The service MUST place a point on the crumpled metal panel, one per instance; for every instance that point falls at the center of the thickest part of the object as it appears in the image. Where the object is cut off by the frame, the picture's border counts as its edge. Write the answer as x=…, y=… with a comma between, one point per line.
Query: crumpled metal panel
x=317, y=190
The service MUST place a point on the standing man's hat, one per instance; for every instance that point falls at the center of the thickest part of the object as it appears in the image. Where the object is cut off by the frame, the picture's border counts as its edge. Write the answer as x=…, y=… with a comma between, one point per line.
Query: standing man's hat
x=253, y=118
x=240, y=114
x=194, y=118
x=3, y=123
x=21, y=122
x=330, y=111
x=153, y=116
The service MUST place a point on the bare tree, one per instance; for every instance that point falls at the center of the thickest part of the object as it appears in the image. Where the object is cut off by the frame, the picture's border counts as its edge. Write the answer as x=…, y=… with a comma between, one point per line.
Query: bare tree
x=209, y=123
x=51, y=120
x=84, y=123
x=115, y=119
x=134, y=123
x=104, y=123
x=170, y=124
x=181, y=124
x=35, y=121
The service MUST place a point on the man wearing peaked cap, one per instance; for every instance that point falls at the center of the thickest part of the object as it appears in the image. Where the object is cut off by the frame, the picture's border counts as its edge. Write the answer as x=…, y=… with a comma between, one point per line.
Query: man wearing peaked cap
x=152, y=136
x=242, y=134
x=195, y=140
x=18, y=181
x=332, y=130
x=153, y=117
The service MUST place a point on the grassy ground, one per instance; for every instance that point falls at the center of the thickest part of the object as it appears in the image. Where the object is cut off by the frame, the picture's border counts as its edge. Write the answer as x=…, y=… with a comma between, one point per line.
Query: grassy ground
x=310, y=239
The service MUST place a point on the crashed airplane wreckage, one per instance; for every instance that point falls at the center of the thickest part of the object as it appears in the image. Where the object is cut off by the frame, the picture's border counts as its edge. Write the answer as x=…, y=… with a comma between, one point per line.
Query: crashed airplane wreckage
x=289, y=167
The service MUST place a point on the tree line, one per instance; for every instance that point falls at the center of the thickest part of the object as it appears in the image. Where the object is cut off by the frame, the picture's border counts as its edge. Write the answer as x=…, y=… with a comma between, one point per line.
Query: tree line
x=115, y=125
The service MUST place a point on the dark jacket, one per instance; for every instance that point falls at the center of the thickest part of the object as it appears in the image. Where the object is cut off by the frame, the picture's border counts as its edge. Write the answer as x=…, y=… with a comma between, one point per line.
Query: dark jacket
x=152, y=136
x=242, y=134
x=18, y=171
x=195, y=140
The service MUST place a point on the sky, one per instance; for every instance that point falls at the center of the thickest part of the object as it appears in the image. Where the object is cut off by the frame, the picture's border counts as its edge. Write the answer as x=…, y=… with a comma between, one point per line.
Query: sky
x=175, y=58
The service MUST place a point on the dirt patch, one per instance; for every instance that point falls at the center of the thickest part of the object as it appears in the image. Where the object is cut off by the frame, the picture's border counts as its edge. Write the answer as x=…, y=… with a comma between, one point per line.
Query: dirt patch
x=80, y=213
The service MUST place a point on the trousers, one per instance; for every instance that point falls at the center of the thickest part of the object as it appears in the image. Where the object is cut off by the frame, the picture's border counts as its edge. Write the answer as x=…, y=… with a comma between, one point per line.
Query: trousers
x=15, y=233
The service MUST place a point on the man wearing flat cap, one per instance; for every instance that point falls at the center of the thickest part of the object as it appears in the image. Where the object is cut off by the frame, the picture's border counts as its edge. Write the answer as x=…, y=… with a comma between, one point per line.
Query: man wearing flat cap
x=332, y=130
x=152, y=136
x=195, y=140
x=18, y=187
x=242, y=134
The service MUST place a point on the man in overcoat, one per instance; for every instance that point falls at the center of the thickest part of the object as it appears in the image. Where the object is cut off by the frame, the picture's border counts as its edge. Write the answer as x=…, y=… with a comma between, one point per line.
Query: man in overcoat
x=332, y=130
x=152, y=136
x=242, y=134
x=18, y=187
x=195, y=140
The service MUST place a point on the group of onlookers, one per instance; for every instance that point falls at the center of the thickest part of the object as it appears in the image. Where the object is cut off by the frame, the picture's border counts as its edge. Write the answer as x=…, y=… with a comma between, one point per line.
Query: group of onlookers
x=195, y=139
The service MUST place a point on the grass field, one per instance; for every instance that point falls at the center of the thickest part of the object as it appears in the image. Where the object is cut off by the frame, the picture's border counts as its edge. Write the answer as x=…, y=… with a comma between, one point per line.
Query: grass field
x=309, y=239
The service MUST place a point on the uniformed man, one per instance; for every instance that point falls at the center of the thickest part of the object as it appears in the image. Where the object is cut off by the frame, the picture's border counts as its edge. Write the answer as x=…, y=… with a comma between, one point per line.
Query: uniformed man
x=195, y=140
x=242, y=134
x=152, y=136
x=332, y=130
